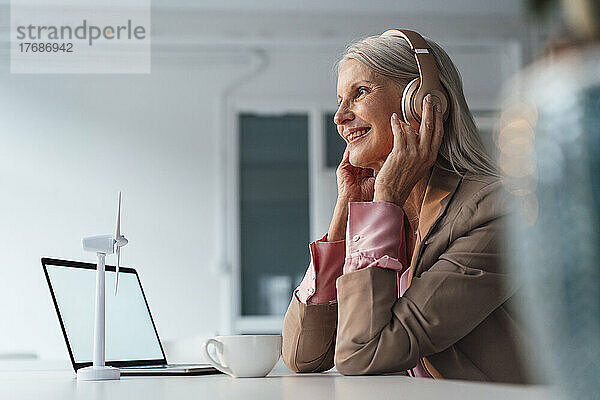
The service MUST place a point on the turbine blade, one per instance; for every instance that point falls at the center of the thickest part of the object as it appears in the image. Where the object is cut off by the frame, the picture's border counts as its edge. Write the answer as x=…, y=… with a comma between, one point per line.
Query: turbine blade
x=118, y=231
x=118, y=265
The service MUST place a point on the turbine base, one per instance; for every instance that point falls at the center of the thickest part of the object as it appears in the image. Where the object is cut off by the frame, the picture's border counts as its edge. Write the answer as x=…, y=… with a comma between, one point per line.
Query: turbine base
x=98, y=374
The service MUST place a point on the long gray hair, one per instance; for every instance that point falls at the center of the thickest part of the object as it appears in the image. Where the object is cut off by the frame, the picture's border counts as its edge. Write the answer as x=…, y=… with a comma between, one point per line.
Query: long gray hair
x=391, y=56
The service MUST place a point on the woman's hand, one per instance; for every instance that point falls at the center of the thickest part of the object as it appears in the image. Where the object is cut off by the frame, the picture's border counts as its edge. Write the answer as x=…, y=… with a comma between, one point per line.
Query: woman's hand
x=354, y=184
x=412, y=155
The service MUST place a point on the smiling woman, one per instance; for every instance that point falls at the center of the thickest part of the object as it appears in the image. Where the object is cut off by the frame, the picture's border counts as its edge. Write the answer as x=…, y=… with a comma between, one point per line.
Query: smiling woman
x=410, y=278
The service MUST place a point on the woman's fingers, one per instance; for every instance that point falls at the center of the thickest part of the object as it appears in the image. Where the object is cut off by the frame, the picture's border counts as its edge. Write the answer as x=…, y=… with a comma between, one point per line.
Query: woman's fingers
x=345, y=163
x=346, y=155
x=411, y=138
x=427, y=124
x=349, y=168
x=398, y=132
x=438, y=132
x=366, y=173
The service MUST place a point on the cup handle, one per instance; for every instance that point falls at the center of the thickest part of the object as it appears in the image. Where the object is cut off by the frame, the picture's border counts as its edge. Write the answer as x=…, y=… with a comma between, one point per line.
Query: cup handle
x=219, y=348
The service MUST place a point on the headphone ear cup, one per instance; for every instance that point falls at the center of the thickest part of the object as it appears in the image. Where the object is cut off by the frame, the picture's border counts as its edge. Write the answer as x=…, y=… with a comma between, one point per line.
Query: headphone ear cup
x=443, y=98
x=412, y=108
x=408, y=109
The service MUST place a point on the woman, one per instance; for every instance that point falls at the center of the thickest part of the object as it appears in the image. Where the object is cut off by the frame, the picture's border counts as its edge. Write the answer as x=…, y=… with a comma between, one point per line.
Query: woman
x=410, y=276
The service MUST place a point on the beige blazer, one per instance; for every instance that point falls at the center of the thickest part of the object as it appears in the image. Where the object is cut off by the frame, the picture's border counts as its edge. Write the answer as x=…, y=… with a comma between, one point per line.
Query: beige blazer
x=458, y=317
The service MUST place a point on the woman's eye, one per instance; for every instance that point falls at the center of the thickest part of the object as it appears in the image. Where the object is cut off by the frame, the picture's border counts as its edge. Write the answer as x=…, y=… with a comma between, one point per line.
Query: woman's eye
x=361, y=91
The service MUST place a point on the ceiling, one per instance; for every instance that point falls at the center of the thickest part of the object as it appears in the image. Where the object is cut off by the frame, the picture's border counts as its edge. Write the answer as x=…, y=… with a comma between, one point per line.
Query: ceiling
x=474, y=7
x=443, y=7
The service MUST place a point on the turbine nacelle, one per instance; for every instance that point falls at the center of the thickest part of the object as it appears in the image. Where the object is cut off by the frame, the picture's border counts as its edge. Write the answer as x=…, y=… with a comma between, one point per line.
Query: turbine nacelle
x=100, y=244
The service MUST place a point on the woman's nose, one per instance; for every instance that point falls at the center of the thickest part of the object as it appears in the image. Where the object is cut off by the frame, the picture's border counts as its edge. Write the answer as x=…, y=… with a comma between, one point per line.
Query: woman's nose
x=342, y=115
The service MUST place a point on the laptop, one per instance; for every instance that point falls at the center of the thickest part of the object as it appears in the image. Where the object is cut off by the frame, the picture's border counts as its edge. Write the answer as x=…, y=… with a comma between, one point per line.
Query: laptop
x=132, y=341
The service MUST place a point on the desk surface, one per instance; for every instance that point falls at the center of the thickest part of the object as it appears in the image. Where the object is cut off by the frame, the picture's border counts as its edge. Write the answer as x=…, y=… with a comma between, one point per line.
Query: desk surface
x=20, y=381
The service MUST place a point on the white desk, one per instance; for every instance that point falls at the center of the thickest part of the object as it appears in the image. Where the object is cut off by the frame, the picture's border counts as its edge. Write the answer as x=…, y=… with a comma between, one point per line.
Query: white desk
x=23, y=382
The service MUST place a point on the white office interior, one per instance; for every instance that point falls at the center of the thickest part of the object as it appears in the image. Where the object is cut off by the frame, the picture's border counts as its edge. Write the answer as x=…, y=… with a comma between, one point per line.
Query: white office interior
x=170, y=141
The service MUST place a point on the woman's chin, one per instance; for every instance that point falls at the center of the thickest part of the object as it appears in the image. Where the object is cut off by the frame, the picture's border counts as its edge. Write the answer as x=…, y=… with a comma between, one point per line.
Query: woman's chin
x=361, y=161
x=356, y=160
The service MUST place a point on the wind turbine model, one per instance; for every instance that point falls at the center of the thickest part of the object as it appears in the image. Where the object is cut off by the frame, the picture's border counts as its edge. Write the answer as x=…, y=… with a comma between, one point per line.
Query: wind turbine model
x=102, y=245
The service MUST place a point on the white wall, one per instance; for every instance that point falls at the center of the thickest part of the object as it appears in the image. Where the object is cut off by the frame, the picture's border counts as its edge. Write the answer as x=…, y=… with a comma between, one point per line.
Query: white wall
x=69, y=142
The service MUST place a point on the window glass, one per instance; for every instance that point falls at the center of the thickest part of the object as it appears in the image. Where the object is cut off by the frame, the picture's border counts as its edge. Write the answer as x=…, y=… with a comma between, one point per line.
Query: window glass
x=274, y=210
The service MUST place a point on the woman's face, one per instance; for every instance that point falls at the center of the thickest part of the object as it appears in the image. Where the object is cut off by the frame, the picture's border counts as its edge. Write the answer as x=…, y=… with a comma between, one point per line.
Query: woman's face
x=366, y=102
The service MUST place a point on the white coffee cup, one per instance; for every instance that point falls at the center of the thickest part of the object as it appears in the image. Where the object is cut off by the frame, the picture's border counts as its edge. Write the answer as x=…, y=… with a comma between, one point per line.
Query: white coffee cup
x=248, y=356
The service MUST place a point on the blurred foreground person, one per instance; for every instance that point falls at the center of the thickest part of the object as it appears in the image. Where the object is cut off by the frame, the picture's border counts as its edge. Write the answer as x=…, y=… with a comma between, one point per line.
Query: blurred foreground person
x=549, y=148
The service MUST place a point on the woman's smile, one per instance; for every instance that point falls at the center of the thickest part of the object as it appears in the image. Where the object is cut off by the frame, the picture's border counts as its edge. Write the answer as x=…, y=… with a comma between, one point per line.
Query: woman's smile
x=356, y=135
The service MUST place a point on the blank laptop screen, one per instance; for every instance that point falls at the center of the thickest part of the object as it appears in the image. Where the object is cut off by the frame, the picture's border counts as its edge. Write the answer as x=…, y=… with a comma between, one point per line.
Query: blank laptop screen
x=130, y=333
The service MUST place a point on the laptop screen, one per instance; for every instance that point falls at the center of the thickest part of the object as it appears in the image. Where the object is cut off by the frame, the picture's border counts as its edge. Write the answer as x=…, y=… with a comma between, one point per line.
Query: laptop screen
x=130, y=332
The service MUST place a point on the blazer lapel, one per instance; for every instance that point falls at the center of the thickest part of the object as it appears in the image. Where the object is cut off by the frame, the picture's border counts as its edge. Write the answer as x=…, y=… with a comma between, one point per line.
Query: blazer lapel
x=441, y=186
